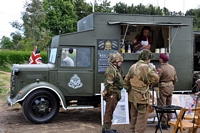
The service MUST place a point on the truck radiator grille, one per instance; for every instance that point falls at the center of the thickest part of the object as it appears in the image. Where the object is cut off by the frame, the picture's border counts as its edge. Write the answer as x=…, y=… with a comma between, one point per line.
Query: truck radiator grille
x=12, y=85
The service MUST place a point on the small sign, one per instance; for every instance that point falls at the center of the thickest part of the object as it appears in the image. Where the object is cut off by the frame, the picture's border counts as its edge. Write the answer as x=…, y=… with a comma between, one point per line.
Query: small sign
x=105, y=47
x=121, y=113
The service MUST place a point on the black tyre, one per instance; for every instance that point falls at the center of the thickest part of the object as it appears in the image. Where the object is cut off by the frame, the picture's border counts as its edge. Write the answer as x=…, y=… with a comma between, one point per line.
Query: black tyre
x=41, y=106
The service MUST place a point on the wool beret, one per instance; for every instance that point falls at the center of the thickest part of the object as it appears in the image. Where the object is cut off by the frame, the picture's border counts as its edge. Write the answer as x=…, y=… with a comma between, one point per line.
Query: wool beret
x=164, y=57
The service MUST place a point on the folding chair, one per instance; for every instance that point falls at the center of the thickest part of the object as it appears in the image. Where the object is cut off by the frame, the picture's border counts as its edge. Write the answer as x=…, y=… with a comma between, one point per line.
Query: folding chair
x=191, y=117
x=195, y=120
x=184, y=124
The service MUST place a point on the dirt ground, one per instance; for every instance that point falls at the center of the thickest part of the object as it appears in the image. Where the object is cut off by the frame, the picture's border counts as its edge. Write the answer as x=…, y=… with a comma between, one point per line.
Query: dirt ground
x=67, y=121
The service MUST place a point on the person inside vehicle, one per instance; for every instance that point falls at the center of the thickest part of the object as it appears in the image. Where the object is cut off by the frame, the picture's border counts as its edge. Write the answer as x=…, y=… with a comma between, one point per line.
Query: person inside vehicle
x=66, y=60
x=143, y=41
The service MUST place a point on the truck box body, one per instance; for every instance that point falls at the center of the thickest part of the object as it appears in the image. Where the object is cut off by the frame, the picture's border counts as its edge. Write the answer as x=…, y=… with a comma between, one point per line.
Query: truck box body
x=177, y=35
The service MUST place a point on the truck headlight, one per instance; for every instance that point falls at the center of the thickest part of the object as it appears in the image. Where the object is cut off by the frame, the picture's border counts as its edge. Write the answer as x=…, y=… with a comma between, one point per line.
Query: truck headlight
x=15, y=72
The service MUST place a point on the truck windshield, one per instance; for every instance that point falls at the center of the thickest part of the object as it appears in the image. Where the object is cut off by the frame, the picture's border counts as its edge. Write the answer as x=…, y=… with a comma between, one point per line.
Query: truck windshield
x=52, y=57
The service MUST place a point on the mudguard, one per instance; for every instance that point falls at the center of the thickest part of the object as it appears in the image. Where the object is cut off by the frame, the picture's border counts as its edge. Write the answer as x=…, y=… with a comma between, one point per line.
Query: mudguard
x=25, y=91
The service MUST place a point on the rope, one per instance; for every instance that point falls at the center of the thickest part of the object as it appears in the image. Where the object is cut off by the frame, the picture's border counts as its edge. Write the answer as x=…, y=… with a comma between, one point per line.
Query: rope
x=174, y=36
x=142, y=92
x=125, y=34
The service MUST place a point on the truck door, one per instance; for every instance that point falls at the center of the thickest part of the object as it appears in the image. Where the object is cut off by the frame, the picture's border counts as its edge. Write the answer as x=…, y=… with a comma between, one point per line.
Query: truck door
x=76, y=71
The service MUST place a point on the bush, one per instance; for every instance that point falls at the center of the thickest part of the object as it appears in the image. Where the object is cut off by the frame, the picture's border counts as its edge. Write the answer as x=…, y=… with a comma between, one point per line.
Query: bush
x=8, y=58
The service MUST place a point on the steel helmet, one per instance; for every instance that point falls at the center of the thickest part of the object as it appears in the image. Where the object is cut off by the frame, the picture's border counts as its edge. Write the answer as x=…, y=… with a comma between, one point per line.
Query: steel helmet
x=145, y=55
x=115, y=57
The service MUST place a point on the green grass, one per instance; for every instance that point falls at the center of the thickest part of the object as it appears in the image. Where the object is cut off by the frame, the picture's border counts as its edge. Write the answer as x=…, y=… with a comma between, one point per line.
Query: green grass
x=4, y=83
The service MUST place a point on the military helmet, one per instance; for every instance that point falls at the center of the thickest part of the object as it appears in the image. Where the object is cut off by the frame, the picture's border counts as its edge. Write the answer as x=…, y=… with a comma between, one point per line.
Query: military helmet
x=145, y=55
x=115, y=57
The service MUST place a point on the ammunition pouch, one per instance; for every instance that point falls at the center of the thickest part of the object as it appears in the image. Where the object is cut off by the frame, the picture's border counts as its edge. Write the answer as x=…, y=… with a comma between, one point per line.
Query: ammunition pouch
x=164, y=84
x=118, y=96
x=117, y=93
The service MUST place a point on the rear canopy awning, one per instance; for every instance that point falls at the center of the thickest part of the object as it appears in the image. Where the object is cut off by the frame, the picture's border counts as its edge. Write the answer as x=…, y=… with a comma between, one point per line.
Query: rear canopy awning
x=110, y=22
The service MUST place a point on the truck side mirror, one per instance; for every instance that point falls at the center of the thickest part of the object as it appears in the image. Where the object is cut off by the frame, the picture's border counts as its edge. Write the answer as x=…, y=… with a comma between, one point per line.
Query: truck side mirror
x=70, y=50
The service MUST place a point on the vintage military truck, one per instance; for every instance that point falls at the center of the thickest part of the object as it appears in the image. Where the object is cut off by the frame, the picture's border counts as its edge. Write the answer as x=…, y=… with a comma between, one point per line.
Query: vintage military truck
x=42, y=89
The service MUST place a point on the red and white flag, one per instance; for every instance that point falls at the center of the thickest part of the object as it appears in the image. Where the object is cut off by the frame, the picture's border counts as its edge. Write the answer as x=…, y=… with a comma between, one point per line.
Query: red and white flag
x=35, y=57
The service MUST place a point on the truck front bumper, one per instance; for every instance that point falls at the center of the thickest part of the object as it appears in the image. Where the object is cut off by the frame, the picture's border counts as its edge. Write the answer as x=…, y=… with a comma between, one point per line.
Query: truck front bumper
x=10, y=101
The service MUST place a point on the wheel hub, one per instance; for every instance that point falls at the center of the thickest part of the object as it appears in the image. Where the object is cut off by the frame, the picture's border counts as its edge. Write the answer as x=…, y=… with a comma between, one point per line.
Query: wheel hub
x=42, y=107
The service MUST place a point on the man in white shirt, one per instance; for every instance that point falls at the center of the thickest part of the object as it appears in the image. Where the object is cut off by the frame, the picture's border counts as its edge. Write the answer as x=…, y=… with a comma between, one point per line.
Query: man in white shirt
x=67, y=61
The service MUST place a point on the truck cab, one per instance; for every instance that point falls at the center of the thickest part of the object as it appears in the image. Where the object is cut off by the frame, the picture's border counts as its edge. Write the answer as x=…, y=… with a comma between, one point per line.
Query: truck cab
x=77, y=61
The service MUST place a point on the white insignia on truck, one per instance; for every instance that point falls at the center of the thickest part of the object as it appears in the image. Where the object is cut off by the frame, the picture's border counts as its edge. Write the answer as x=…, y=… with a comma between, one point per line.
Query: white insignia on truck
x=75, y=82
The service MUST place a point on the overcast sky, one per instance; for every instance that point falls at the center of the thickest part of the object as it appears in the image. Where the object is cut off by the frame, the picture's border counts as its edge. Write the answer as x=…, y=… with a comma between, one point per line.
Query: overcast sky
x=10, y=10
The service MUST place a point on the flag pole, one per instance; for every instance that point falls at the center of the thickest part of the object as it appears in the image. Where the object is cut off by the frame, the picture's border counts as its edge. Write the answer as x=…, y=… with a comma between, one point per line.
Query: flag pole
x=93, y=6
x=183, y=6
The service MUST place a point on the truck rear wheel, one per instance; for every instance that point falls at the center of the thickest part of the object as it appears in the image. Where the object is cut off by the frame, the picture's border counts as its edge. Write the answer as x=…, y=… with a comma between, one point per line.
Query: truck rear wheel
x=41, y=106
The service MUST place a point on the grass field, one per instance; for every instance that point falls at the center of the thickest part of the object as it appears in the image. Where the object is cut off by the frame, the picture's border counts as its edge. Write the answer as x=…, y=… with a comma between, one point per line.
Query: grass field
x=4, y=83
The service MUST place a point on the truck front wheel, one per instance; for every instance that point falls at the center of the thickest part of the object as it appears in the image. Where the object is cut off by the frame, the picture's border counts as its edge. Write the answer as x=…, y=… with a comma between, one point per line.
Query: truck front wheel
x=41, y=106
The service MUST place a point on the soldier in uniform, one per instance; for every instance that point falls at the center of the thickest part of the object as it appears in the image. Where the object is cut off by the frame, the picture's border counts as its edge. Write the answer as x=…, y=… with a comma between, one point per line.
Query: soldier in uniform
x=168, y=78
x=137, y=81
x=113, y=83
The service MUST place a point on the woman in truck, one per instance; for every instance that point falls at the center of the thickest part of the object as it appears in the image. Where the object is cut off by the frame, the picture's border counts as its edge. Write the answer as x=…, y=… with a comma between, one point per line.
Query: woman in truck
x=143, y=40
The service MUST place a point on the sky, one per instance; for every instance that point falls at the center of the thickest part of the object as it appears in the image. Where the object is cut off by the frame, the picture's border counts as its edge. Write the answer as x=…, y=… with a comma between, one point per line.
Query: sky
x=10, y=10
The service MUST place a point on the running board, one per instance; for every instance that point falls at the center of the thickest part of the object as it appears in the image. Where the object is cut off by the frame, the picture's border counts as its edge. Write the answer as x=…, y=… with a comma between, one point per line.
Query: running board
x=80, y=107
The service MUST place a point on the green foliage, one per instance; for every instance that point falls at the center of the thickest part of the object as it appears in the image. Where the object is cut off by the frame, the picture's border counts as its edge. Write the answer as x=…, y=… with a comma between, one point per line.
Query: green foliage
x=3, y=58
x=139, y=9
x=4, y=83
x=103, y=7
x=60, y=16
x=7, y=58
x=6, y=43
x=123, y=8
x=34, y=18
x=82, y=8
x=14, y=57
x=196, y=14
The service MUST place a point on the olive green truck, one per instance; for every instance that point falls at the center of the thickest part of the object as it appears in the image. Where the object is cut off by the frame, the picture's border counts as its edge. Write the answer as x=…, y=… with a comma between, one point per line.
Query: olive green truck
x=43, y=89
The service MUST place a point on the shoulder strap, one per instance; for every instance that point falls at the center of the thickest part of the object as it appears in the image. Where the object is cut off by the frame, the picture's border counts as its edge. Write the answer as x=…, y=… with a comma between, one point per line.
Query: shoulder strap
x=113, y=69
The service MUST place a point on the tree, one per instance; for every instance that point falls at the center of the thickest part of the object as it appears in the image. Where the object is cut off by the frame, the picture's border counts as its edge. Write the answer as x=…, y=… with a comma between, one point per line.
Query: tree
x=166, y=11
x=196, y=21
x=6, y=43
x=60, y=16
x=16, y=38
x=82, y=8
x=103, y=7
x=33, y=17
x=122, y=8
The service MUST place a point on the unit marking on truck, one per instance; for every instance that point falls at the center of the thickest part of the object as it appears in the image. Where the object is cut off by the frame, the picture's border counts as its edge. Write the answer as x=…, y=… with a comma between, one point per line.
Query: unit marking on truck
x=75, y=82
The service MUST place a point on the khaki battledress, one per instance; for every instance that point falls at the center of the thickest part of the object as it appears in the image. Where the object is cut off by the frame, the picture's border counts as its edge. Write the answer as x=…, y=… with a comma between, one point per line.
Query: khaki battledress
x=137, y=82
x=168, y=78
x=113, y=85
